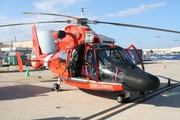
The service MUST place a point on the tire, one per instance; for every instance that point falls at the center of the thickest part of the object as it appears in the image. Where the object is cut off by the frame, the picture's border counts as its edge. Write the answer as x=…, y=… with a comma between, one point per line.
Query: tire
x=55, y=87
x=120, y=98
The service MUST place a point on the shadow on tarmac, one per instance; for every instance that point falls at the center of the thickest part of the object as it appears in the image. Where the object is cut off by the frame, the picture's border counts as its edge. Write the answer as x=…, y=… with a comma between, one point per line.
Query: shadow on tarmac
x=103, y=94
x=21, y=91
x=25, y=91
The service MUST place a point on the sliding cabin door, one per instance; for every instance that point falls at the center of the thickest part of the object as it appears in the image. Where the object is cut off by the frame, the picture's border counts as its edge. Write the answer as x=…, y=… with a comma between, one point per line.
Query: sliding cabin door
x=90, y=66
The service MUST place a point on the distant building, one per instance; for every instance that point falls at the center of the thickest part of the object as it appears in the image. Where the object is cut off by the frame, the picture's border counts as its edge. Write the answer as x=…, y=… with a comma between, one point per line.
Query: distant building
x=8, y=50
x=2, y=45
x=23, y=43
x=164, y=51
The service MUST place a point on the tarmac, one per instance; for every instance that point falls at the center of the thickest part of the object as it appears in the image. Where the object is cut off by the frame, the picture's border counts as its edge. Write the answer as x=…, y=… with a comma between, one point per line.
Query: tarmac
x=31, y=97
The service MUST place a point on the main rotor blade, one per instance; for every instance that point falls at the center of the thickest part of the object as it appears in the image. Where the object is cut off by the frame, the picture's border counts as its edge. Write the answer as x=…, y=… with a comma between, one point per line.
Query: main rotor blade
x=51, y=14
x=16, y=24
x=137, y=26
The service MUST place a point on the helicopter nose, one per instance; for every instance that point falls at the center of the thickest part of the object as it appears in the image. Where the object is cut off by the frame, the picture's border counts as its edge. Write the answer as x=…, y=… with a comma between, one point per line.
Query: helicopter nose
x=137, y=80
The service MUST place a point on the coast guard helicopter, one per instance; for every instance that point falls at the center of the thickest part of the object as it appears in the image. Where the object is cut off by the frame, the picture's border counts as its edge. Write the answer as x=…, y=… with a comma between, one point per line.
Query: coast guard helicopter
x=81, y=59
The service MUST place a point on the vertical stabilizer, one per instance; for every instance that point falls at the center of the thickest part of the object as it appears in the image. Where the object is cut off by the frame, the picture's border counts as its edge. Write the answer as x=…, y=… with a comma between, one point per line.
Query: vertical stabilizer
x=36, y=42
x=36, y=50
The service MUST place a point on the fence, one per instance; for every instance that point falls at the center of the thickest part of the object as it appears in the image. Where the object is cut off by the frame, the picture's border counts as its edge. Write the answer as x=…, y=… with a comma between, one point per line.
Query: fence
x=165, y=56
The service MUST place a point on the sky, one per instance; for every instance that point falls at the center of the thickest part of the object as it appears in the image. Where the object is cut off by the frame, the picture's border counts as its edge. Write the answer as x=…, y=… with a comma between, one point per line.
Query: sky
x=153, y=13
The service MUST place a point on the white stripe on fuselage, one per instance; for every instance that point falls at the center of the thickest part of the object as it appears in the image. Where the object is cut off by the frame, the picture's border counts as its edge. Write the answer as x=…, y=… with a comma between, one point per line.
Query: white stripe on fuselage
x=46, y=60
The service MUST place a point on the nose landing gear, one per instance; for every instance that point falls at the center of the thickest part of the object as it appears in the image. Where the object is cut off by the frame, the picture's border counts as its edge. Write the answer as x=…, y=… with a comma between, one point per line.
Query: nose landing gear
x=123, y=98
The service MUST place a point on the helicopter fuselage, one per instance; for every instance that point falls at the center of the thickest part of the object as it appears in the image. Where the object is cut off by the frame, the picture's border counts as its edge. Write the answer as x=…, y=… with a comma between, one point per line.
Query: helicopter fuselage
x=93, y=65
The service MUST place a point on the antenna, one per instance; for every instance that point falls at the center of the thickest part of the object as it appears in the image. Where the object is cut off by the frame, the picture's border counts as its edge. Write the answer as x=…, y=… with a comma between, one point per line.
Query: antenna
x=82, y=12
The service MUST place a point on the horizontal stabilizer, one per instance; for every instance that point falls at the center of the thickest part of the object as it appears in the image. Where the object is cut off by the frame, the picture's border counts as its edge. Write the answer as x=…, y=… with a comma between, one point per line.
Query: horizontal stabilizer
x=19, y=60
x=30, y=60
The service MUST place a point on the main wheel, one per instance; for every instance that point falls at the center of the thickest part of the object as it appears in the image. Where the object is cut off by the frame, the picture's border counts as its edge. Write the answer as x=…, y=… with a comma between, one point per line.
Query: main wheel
x=55, y=87
x=120, y=98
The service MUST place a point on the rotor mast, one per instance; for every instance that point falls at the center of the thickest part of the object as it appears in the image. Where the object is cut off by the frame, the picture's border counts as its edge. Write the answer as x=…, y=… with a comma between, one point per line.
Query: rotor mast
x=82, y=12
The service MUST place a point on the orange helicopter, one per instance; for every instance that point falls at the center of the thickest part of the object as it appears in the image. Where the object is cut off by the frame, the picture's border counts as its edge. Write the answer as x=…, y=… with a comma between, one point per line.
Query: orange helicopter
x=81, y=59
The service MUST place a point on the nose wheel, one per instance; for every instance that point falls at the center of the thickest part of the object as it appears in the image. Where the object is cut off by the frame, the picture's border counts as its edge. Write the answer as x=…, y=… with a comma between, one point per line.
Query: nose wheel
x=123, y=98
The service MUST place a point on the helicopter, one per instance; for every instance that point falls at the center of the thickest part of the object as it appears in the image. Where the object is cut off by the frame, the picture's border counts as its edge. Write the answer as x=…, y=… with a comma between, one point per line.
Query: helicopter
x=81, y=59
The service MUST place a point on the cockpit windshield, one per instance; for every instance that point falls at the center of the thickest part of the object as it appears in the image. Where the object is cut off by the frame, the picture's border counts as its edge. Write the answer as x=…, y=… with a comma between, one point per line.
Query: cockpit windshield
x=113, y=57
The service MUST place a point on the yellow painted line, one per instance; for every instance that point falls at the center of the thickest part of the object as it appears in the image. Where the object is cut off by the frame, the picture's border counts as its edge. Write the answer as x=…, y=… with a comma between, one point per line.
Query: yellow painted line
x=36, y=78
x=27, y=78
x=14, y=77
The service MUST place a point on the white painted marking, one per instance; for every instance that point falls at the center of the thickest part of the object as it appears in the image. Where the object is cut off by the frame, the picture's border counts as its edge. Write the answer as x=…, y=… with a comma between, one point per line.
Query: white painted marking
x=46, y=60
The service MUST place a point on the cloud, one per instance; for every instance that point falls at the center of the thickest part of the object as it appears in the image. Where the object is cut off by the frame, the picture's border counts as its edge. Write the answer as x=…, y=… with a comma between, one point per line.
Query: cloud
x=133, y=11
x=24, y=32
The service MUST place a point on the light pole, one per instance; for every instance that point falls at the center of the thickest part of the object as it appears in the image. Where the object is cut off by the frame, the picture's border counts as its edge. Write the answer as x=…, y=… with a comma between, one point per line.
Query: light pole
x=176, y=45
x=157, y=43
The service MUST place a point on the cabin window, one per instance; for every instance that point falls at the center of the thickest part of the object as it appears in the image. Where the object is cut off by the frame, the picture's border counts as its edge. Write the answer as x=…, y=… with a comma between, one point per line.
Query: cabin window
x=91, y=68
x=63, y=57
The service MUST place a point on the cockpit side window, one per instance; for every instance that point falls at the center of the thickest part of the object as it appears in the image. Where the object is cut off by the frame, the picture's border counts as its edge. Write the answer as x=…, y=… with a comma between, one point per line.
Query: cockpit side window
x=90, y=67
x=90, y=57
x=114, y=56
x=63, y=57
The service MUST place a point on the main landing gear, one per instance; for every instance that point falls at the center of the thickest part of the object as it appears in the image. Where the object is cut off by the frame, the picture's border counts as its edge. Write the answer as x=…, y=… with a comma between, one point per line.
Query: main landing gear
x=142, y=95
x=56, y=86
x=124, y=97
